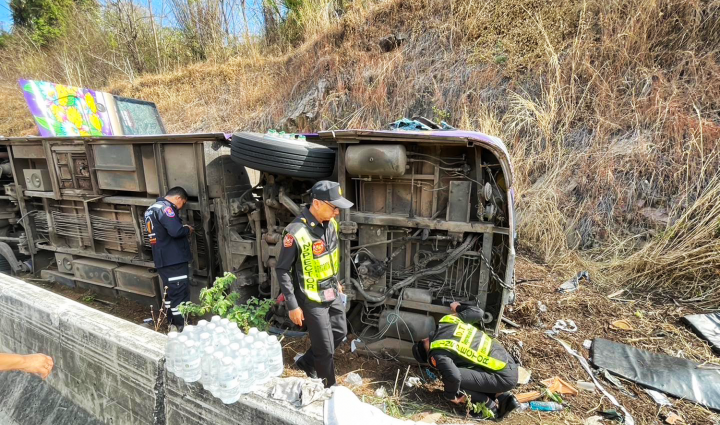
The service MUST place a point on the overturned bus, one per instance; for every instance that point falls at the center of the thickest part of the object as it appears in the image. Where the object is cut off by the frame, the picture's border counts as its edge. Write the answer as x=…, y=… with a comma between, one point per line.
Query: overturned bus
x=433, y=220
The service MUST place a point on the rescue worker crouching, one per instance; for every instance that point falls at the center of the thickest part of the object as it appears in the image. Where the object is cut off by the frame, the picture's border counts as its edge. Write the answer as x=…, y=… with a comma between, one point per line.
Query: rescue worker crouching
x=307, y=270
x=471, y=363
x=171, y=250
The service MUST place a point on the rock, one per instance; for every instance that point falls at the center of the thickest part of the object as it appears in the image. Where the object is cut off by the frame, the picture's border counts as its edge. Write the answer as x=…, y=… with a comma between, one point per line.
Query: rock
x=307, y=110
x=391, y=42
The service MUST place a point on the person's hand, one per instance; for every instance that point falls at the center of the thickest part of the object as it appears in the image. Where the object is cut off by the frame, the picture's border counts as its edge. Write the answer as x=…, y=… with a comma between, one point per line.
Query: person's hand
x=39, y=364
x=192, y=229
x=297, y=316
x=454, y=306
x=340, y=288
x=459, y=400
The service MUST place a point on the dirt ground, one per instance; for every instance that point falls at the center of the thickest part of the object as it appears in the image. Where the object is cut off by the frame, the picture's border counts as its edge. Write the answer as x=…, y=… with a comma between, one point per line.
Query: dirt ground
x=656, y=327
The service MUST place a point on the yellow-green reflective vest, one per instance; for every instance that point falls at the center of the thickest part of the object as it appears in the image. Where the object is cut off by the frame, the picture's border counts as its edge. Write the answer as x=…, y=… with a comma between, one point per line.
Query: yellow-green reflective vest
x=317, y=270
x=463, y=345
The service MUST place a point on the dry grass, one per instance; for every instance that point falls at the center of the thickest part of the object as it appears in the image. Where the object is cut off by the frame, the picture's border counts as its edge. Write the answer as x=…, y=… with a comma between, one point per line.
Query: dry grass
x=609, y=108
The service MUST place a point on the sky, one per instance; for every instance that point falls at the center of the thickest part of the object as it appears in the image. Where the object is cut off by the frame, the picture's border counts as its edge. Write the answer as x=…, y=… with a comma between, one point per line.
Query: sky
x=5, y=15
x=254, y=17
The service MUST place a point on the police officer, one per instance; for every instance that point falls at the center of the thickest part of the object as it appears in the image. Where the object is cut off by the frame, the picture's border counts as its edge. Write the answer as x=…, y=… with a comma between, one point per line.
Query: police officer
x=171, y=250
x=471, y=363
x=307, y=270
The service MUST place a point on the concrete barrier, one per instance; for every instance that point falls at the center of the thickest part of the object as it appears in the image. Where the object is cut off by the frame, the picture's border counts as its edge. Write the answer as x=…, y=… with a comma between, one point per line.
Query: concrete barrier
x=104, y=365
x=108, y=370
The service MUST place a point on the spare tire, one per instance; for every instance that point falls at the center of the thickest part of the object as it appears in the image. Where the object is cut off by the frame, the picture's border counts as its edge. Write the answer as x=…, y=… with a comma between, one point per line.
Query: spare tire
x=278, y=155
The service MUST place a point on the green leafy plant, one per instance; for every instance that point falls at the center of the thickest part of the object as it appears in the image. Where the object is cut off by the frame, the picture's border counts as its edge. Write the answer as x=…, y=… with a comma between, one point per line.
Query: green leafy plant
x=252, y=314
x=218, y=300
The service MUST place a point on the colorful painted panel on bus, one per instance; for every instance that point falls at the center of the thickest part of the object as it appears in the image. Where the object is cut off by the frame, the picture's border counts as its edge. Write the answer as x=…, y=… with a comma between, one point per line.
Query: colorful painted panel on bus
x=61, y=110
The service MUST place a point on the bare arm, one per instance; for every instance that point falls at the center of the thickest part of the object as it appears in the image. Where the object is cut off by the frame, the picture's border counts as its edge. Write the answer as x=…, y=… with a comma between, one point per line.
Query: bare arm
x=39, y=364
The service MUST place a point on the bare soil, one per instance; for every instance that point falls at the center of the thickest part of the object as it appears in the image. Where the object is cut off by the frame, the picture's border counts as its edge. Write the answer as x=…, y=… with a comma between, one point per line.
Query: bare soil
x=656, y=327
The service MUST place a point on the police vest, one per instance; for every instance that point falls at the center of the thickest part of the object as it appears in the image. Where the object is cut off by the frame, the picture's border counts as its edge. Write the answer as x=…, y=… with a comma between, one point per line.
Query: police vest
x=318, y=264
x=465, y=339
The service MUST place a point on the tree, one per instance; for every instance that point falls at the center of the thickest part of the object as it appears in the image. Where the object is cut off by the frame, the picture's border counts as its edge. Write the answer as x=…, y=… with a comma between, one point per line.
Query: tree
x=46, y=20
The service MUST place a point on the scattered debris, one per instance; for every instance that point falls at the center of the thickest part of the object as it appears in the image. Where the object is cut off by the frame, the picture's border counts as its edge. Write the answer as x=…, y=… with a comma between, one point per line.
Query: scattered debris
x=545, y=406
x=509, y=331
x=587, y=344
x=639, y=314
x=616, y=294
x=510, y=322
x=671, y=375
x=431, y=376
x=353, y=379
x=529, y=396
x=353, y=344
x=672, y=418
x=616, y=382
x=621, y=325
x=523, y=375
x=707, y=327
x=587, y=386
x=567, y=326
x=612, y=415
x=412, y=381
x=573, y=284
x=381, y=392
x=593, y=420
x=658, y=397
x=557, y=385
x=542, y=307
x=300, y=391
x=628, y=417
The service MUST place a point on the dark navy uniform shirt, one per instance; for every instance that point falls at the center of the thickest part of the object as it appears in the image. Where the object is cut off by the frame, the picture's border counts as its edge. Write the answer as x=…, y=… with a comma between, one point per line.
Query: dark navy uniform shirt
x=168, y=236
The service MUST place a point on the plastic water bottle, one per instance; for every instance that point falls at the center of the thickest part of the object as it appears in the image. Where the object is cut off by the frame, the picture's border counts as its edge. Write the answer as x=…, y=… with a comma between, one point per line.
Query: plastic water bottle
x=178, y=357
x=232, y=326
x=260, y=371
x=219, y=334
x=223, y=345
x=191, y=362
x=191, y=332
x=214, y=368
x=201, y=324
x=253, y=332
x=228, y=388
x=243, y=368
x=211, y=327
x=204, y=340
x=239, y=337
x=233, y=349
x=171, y=351
x=545, y=406
x=224, y=322
x=275, y=356
x=216, y=319
x=248, y=342
x=206, y=366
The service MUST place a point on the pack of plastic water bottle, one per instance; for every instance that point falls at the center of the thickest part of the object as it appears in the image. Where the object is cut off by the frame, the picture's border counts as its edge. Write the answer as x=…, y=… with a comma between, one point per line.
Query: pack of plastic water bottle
x=227, y=362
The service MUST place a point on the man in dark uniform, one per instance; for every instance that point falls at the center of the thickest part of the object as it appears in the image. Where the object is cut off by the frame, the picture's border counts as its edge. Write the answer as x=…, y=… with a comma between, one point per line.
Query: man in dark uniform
x=307, y=270
x=471, y=363
x=171, y=250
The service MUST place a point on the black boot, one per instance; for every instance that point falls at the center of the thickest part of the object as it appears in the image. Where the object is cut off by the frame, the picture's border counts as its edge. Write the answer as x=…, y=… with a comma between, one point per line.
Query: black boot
x=305, y=367
x=506, y=404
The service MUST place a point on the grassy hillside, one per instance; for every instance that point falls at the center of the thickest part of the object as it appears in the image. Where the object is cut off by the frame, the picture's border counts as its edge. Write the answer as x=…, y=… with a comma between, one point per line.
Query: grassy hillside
x=611, y=110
